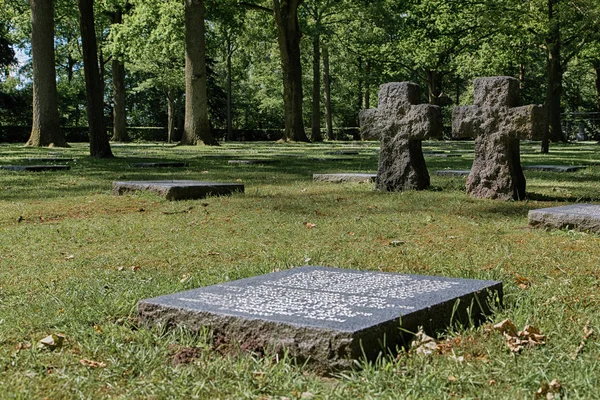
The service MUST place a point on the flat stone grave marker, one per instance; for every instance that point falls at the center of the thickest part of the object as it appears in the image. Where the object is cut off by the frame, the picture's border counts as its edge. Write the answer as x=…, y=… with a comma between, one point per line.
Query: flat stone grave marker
x=342, y=152
x=48, y=159
x=325, y=315
x=160, y=164
x=178, y=189
x=342, y=178
x=252, y=162
x=330, y=159
x=35, y=168
x=555, y=168
x=453, y=172
x=444, y=155
x=582, y=217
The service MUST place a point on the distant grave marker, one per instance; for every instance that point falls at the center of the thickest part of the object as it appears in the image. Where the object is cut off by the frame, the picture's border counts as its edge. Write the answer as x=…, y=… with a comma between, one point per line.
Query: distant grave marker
x=342, y=152
x=444, y=155
x=48, y=159
x=453, y=172
x=178, y=189
x=330, y=316
x=35, y=168
x=252, y=162
x=582, y=217
x=497, y=126
x=554, y=168
x=160, y=164
x=342, y=178
x=402, y=124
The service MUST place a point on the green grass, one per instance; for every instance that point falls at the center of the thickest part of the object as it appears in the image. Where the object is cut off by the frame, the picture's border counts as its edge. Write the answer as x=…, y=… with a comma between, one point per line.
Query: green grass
x=74, y=259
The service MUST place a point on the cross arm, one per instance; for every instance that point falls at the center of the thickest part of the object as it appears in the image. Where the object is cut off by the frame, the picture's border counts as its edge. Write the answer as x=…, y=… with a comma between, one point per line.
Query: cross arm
x=369, y=121
x=423, y=121
x=466, y=121
x=526, y=122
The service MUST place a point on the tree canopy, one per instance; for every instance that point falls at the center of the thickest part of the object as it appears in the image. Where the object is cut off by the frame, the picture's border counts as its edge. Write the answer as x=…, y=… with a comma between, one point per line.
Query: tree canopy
x=256, y=79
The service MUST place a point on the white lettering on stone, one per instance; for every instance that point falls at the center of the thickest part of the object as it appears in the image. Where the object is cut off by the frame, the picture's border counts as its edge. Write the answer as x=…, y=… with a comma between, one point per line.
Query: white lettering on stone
x=321, y=295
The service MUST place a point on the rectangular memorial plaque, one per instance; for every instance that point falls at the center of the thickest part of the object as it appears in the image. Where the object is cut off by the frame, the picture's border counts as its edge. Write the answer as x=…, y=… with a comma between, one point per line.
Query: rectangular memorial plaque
x=178, y=189
x=583, y=217
x=327, y=315
x=341, y=178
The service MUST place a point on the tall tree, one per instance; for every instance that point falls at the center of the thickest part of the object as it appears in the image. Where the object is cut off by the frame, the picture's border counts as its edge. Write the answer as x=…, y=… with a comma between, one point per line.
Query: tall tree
x=99, y=142
x=196, y=127
x=118, y=84
x=45, y=130
x=288, y=39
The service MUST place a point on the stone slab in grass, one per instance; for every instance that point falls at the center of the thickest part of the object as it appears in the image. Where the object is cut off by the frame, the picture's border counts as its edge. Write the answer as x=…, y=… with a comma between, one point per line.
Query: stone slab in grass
x=554, y=168
x=252, y=162
x=453, y=172
x=341, y=178
x=343, y=152
x=48, y=159
x=581, y=217
x=160, y=164
x=444, y=155
x=178, y=189
x=35, y=168
x=325, y=315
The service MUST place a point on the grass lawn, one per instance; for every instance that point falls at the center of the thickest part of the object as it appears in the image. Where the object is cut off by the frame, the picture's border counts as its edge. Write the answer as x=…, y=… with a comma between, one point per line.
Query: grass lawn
x=75, y=260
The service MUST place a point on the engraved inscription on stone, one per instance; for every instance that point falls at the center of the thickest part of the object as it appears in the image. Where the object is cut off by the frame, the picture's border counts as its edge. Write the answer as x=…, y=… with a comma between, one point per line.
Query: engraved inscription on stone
x=321, y=295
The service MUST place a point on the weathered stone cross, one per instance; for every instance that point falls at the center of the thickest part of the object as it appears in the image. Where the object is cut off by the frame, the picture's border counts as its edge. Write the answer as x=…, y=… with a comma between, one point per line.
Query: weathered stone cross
x=497, y=126
x=402, y=124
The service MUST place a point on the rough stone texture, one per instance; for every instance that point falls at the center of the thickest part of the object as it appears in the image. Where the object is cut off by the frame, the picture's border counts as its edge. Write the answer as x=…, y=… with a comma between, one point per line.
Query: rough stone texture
x=35, y=168
x=164, y=164
x=402, y=125
x=453, y=172
x=497, y=126
x=256, y=161
x=327, y=315
x=341, y=178
x=178, y=190
x=582, y=217
x=554, y=168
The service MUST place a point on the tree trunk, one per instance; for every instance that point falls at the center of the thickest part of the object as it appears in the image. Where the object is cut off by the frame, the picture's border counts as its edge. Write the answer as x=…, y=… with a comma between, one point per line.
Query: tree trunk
x=327, y=90
x=433, y=87
x=288, y=38
x=228, y=89
x=316, y=135
x=170, y=115
x=367, y=102
x=118, y=81
x=196, y=128
x=553, y=129
x=45, y=130
x=99, y=144
x=596, y=64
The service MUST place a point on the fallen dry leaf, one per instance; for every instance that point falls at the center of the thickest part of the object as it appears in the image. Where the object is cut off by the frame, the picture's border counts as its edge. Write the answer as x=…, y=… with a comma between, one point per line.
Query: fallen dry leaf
x=549, y=390
x=135, y=268
x=424, y=344
x=587, y=332
x=91, y=364
x=98, y=329
x=309, y=225
x=52, y=342
x=516, y=341
x=184, y=278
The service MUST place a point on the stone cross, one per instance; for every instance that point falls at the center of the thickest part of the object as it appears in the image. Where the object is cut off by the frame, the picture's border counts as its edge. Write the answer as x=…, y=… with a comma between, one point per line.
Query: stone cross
x=402, y=124
x=497, y=126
